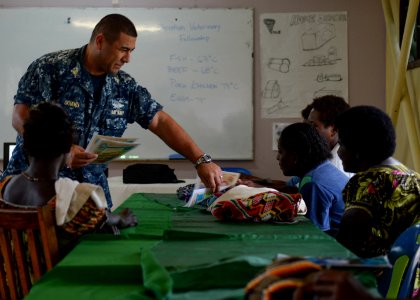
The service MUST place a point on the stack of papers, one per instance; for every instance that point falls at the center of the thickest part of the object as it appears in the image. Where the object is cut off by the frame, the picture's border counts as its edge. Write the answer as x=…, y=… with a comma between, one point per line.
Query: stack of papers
x=201, y=193
x=109, y=148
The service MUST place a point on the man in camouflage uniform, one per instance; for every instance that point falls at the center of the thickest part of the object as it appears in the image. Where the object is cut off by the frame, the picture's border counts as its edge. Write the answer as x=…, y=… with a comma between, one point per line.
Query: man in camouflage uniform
x=99, y=97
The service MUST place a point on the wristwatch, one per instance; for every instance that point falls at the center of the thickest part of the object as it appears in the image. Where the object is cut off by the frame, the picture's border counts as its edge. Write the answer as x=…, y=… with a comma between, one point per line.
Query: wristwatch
x=204, y=159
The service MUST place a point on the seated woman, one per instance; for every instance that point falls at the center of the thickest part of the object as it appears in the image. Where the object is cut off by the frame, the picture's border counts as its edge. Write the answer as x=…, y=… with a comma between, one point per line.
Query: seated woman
x=382, y=198
x=79, y=208
x=302, y=152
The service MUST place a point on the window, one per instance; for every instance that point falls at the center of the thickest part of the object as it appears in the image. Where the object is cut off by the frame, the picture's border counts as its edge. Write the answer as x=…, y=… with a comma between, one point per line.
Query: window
x=7, y=153
x=414, y=56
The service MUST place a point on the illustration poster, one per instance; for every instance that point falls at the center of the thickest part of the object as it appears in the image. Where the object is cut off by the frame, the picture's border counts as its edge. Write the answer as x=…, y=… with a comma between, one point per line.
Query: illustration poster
x=303, y=56
x=277, y=129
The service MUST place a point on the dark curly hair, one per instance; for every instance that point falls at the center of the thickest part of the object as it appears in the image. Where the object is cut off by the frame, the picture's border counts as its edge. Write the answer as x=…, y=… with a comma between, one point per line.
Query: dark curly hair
x=328, y=106
x=304, y=140
x=112, y=25
x=47, y=132
x=368, y=132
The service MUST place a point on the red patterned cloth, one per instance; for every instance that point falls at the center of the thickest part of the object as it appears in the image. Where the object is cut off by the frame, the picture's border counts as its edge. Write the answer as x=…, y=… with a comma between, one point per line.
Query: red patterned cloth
x=264, y=206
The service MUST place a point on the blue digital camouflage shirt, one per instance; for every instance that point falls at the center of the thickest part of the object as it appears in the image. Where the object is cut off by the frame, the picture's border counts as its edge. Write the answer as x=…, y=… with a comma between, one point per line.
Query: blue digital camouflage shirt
x=62, y=78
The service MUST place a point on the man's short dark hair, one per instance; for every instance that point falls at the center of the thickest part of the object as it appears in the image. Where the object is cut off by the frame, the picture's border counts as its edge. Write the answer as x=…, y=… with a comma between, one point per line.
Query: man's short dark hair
x=112, y=25
x=328, y=106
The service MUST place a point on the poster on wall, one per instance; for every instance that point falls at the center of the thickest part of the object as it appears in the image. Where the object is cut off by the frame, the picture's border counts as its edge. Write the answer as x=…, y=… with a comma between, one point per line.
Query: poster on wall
x=277, y=129
x=303, y=56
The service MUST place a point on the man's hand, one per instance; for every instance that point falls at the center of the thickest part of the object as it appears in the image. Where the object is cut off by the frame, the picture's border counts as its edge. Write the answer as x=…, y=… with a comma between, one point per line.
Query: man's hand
x=79, y=157
x=211, y=175
x=249, y=182
x=176, y=138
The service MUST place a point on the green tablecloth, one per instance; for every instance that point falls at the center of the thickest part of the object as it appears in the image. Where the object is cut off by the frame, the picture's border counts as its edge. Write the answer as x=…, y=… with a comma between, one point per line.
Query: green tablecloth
x=177, y=252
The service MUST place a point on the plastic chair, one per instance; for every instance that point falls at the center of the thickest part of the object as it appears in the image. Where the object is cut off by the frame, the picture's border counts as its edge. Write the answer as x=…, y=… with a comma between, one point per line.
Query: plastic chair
x=237, y=170
x=29, y=248
x=398, y=282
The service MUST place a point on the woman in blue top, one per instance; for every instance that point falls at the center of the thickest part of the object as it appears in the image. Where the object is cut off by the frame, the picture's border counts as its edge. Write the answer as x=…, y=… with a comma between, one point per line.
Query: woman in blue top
x=303, y=152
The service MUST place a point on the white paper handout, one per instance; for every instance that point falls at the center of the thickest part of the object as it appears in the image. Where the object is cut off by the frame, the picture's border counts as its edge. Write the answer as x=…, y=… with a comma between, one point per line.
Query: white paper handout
x=200, y=191
x=109, y=148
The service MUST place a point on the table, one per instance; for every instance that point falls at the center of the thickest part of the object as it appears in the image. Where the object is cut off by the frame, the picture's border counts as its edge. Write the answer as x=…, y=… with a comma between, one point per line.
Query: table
x=177, y=251
x=121, y=191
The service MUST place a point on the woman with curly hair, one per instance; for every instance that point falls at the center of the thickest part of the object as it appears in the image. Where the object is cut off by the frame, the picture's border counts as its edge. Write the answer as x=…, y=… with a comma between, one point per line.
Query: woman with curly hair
x=383, y=198
x=304, y=153
x=79, y=207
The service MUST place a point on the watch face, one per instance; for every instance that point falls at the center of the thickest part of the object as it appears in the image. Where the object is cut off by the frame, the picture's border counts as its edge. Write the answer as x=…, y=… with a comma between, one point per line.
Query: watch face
x=204, y=159
x=207, y=158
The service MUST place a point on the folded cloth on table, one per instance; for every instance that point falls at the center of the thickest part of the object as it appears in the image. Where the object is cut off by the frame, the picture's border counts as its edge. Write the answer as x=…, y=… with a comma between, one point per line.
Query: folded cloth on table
x=256, y=204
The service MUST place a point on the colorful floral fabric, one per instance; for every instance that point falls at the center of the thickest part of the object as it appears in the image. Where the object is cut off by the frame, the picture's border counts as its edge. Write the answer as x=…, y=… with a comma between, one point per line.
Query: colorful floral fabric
x=391, y=196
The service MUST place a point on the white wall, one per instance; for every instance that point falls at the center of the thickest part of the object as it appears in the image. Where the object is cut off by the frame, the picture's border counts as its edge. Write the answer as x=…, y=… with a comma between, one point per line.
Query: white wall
x=366, y=40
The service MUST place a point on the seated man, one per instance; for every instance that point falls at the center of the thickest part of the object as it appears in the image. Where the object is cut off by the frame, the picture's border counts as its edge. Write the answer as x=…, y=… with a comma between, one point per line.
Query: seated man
x=321, y=114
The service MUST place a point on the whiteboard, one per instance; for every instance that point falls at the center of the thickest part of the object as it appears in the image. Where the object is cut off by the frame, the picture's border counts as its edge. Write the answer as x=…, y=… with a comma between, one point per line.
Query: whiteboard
x=196, y=62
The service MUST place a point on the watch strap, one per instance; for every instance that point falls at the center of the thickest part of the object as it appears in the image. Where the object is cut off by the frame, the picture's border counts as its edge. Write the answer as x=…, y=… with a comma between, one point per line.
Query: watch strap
x=205, y=158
